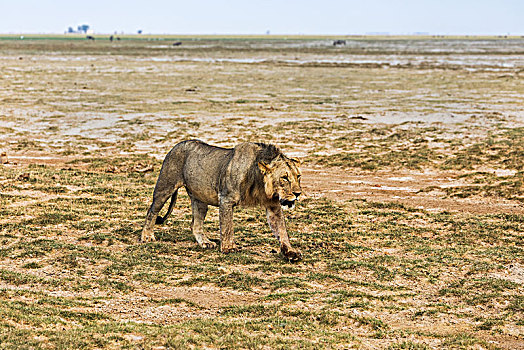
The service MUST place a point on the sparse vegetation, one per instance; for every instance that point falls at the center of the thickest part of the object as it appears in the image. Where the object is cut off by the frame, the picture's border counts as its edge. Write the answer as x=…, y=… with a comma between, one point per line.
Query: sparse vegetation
x=85, y=126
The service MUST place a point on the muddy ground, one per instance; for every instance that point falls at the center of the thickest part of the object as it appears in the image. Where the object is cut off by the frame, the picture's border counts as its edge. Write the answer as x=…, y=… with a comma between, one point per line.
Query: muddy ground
x=412, y=221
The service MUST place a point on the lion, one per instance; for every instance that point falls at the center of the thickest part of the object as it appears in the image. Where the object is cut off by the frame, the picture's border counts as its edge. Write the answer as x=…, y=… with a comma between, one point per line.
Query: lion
x=251, y=174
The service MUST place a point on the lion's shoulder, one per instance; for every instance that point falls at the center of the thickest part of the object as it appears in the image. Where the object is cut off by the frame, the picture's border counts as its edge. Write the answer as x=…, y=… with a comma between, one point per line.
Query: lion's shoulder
x=243, y=171
x=254, y=152
x=267, y=152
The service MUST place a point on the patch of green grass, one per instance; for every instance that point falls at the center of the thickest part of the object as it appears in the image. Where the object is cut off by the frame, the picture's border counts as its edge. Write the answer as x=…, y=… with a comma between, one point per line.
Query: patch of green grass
x=489, y=324
x=19, y=278
x=373, y=159
x=461, y=340
x=32, y=265
x=516, y=304
x=505, y=148
x=509, y=187
x=234, y=280
x=287, y=283
x=115, y=284
x=480, y=291
x=52, y=218
x=408, y=345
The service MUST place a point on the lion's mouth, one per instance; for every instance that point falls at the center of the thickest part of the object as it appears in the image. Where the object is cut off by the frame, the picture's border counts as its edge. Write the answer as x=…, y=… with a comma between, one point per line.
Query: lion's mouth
x=287, y=204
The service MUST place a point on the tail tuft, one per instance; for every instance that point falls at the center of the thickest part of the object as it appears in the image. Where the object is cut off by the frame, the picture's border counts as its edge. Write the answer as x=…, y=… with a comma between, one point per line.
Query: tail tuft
x=160, y=220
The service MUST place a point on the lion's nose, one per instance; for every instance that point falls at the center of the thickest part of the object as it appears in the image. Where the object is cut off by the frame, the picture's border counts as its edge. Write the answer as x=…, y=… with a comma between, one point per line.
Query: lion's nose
x=297, y=194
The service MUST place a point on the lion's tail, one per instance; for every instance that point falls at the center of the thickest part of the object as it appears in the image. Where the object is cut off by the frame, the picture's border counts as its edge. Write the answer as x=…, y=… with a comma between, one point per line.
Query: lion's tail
x=160, y=220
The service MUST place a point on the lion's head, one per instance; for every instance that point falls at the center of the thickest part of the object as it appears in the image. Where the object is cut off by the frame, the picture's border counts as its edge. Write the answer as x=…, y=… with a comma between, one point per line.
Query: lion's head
x=282, y=180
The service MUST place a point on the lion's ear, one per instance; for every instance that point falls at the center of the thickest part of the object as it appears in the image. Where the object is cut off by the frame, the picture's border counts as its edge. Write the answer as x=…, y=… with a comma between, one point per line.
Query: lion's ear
x=296, y=161
x=264, y=168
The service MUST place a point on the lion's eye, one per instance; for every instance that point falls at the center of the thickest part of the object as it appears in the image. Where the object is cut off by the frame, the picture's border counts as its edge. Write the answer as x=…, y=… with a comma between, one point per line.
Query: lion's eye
x=285, y=178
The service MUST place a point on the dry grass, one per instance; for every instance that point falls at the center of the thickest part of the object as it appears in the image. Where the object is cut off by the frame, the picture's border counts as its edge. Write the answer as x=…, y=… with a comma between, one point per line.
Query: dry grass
x=81, y=121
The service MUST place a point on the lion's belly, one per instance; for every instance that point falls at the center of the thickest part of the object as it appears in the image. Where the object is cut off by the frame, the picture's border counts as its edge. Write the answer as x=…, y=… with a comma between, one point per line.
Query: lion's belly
x=203, y=193
x=200, y=180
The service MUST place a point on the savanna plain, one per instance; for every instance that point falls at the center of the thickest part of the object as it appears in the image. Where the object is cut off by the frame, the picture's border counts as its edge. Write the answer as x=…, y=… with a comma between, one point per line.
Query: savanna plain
x=411, y=225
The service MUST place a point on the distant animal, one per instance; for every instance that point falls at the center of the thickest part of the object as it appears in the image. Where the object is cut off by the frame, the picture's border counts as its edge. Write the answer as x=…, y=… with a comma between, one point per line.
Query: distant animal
x=90, y=37
x=177, y=43
x=251, y=174
x=111, y=38
x=339, y=42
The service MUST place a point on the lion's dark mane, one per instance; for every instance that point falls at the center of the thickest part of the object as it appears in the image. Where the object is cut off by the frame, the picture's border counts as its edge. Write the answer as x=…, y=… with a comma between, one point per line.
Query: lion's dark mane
x=267, y=152
x=252, y=190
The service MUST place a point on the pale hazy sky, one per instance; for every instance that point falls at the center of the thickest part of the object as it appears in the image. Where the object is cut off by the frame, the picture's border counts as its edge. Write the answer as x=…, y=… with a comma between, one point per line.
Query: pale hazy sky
x=258, y=16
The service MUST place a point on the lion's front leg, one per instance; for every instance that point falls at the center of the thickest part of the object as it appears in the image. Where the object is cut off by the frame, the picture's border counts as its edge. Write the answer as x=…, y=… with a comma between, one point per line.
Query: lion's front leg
x=275, y=219
x=227, y=244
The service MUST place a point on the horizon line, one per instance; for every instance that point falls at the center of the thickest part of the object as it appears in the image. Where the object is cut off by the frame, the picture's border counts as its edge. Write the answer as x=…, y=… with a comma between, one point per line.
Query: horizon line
x=274, y=34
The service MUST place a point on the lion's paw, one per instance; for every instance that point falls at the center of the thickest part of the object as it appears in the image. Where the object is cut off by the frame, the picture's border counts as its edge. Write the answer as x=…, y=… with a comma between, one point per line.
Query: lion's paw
x=294, y=255
x=291, y=254
x=229, y=249
x=208, y=245
x=147, y=238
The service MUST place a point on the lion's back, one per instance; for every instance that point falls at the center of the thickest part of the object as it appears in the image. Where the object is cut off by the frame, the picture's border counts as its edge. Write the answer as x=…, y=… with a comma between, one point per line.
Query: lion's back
x=209, y=171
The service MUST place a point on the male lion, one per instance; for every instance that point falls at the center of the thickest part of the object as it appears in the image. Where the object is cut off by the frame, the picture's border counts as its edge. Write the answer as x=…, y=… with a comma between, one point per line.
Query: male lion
x=249, y=174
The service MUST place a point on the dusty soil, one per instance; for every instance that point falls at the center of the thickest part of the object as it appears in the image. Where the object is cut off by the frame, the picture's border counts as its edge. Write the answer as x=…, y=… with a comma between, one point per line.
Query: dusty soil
x=403, y=187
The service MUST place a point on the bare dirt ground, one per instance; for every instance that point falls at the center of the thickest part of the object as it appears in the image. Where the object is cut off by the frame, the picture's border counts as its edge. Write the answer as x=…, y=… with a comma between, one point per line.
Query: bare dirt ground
x=401, y=187
x=411, y=225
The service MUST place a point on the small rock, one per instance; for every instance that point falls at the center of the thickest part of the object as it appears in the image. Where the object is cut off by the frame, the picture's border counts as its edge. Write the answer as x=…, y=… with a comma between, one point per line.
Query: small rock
x=23, y=177
x=139, y=169
x=133, y=337
x=358, y=117
x=3, y=158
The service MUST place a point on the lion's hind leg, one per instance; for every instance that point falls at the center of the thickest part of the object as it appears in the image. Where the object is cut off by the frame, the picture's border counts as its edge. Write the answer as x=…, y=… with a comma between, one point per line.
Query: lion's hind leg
x=160, y=197
x=170, y=179
x=160, y=220
x=197, y=224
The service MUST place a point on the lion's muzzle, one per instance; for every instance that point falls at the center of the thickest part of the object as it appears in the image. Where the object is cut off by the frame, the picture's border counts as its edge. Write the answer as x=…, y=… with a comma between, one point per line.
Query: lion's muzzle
x=287, y=204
